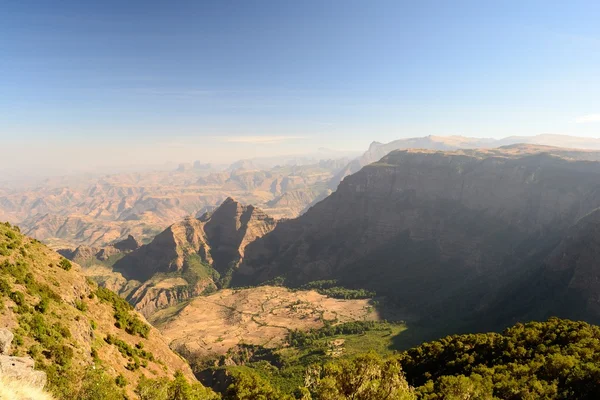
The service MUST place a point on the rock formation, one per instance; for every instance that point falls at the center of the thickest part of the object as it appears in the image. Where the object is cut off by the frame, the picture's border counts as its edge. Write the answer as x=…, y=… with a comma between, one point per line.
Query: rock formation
x=18, y=368
x=219, y=239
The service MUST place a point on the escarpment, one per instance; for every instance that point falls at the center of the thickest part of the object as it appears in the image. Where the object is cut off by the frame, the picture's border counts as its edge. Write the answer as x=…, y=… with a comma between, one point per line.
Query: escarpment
x=438, y=232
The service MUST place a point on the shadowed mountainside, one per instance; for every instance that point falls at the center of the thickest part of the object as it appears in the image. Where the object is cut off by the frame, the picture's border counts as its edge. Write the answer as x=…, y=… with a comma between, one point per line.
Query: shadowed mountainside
x=443, y=234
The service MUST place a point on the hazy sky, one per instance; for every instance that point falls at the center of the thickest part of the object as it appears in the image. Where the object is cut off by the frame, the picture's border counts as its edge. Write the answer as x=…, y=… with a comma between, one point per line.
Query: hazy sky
x=86, y=83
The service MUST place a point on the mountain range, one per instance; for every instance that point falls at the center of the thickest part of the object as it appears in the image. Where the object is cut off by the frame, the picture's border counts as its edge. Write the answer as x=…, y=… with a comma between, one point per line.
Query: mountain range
x=446, y=237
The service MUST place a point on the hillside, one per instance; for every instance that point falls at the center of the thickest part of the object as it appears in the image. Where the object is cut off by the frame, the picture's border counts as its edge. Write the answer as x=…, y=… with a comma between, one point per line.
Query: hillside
x=77, y=333
x=443, y=234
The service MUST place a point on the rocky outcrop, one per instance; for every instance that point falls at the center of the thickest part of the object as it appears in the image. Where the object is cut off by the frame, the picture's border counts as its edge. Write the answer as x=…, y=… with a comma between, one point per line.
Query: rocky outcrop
x=218, y=239
x=6, y=338
x=18, y=368
x=157, y=294
x=571, y=273
x=230, y=228
x=88, y=256
x=167, y=252
x=128, y=244
x=438, y=232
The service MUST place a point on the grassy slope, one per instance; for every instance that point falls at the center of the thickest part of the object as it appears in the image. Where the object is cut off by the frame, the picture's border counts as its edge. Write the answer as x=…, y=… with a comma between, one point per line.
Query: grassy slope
x=60, y=321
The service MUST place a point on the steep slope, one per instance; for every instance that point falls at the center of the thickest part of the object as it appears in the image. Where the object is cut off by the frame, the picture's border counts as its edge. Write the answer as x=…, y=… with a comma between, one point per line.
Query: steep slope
x=191, y=257
x=565, y=283
x=70, y=326
x=218, y=239
x=438, y=232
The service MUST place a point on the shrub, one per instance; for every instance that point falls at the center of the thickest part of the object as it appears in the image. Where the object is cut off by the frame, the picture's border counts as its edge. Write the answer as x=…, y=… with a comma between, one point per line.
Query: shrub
x=80, y=305
x=97, y=385
x=121, y=381
x=124, y=317
x=65, y=264
x=18, y=298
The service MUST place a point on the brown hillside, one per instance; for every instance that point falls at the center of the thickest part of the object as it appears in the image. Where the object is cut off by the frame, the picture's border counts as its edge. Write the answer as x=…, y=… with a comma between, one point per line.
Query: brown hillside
x=68, y=325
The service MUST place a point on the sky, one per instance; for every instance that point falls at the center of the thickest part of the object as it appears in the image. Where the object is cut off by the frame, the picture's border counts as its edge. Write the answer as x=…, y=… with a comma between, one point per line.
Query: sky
x=85, y=84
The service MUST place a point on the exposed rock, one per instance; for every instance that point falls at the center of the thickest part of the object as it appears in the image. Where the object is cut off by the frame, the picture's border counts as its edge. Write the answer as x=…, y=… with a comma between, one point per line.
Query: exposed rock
x=218, y=238
x=18, y=368
x=6, y=337
x=106, y=252
x=128, y=244
x=157, y=294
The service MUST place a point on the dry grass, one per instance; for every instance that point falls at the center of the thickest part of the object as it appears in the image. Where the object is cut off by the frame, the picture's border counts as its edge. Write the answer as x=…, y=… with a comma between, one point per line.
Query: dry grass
x=263, y=315
x=19, y=390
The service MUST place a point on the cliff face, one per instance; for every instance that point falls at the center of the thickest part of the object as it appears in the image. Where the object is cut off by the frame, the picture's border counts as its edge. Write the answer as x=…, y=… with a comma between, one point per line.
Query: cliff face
x=568, y=282
x=218, y=239
x=434, y=230
x=190, y=257
x=230, y=228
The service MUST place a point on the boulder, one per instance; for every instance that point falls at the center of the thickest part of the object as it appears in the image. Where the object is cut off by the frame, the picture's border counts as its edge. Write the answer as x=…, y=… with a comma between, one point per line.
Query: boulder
x=6, y=338
x=21, y=369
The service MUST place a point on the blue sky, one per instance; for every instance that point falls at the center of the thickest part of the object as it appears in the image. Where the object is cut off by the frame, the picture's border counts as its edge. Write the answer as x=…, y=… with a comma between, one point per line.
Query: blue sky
x=217, y=80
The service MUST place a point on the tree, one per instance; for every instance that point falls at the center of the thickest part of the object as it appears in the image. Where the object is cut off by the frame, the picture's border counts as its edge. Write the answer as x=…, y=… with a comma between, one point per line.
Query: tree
x=366, y=377
x=249, y=386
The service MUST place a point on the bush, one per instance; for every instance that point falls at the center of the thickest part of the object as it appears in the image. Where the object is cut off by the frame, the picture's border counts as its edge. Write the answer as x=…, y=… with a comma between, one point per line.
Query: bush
x=557, y=359
x=65, y=264
x=18, y=298
x=366, y=377
x=121, y=381
x=97, y=385
x=124, y=317
x=134, y=354
x=248, y=386
x=80, y=305
x=330, y=288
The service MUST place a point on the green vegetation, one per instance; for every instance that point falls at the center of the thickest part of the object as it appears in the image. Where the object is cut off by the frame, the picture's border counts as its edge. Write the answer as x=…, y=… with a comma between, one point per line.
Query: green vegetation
x=54, y=332
x=330, y=288
x=285, y=367
x=177, y=389
x=137, y=356
x=557, y=359
x=10, y=240
x=65, y=264
x=299, y=338
x=195, y=270
x=124, y=317
x=366, y=377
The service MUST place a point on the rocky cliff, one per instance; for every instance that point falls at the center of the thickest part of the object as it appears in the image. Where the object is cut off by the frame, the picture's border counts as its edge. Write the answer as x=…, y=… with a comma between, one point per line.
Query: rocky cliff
x=191, y=257
x=439, y=232
x=218, y=239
